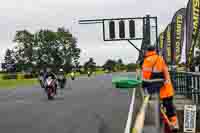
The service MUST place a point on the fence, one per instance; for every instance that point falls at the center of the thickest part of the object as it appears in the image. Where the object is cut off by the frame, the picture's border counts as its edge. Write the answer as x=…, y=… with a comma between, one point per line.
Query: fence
x=185, y=83
x=188, y=84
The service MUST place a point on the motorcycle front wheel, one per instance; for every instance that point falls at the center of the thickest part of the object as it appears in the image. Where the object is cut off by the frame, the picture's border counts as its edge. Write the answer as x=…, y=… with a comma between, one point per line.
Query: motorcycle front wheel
x=50, y=97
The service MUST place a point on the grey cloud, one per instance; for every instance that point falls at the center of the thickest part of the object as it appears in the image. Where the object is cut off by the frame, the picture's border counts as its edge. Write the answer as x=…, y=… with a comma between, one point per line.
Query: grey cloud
x=36, y=14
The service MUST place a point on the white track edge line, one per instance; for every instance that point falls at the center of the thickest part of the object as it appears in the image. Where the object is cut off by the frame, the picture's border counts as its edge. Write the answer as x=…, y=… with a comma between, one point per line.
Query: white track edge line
x=129, y=120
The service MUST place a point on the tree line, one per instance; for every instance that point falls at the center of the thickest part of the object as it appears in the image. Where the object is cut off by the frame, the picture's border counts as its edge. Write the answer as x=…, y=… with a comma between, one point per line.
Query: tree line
x=110, y=65
x=44, y=48
x=54, y=49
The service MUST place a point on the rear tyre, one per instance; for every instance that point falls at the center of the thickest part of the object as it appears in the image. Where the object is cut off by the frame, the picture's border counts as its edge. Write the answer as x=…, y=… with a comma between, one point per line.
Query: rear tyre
x=50, y=97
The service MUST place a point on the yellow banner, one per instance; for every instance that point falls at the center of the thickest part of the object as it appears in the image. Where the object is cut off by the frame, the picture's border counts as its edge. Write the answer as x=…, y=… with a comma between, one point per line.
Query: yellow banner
x=179, y=23
x=169, y=44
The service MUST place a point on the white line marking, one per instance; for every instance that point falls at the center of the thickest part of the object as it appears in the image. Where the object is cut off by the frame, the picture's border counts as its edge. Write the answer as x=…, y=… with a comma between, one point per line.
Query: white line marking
x=129, y=120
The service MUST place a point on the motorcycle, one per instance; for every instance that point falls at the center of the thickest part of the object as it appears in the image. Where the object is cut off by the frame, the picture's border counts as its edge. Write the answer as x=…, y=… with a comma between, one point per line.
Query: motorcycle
x=41, y=80
x=62, y=81
x=50, y=88
x=72, y=76
x=89, y=74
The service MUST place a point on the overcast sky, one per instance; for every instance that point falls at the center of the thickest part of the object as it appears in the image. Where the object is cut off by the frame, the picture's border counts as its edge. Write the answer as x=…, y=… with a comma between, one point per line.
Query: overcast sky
x=35, y=14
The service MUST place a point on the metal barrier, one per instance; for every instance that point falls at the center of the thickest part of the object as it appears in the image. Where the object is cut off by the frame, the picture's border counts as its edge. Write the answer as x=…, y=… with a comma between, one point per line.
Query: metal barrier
x=139, y=120
x=185, y=83
x=135, y=108
x=188, y=84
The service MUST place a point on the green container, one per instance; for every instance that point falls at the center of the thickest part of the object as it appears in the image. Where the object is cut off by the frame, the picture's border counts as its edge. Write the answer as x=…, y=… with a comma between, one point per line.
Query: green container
x=126, y=82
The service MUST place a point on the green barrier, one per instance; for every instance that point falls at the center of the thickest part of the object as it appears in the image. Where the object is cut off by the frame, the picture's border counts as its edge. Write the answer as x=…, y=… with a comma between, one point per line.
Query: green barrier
x=126, y=82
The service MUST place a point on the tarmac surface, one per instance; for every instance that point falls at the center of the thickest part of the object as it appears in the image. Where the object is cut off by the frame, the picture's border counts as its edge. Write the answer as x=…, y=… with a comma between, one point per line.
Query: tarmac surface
x=89, y=105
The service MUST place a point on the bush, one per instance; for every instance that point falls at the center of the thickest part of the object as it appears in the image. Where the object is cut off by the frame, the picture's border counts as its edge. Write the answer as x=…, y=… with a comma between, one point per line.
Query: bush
x=132, y=67
x=30, y=75
x=2, y=72
x=83, y=72
x=9, y=76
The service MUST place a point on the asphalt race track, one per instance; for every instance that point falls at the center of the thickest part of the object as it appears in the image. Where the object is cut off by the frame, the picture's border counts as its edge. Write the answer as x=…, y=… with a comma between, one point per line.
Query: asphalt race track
x=89, y=105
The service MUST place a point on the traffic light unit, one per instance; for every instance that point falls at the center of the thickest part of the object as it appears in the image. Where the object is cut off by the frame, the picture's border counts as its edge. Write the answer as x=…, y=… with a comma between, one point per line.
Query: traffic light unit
x=122, y=34
x=112, y=29
x=121, y=29
x=132, y=29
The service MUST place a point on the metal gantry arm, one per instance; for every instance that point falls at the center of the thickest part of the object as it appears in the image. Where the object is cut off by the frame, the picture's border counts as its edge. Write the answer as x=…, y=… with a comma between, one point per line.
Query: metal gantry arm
x=146, y=23
x=97, y=21
x=102, y=21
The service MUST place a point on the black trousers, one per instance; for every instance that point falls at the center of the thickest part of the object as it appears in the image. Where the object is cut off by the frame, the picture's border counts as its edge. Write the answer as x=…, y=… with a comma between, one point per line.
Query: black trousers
x=168, y=104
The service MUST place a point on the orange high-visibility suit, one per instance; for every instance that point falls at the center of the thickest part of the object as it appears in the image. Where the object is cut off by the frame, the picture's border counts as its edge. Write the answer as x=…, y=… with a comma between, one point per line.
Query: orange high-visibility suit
x=155, y=63
x=158, y=64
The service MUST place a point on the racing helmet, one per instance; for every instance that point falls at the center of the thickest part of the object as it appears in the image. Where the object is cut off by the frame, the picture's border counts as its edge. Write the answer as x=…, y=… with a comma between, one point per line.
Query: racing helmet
x=48, y=69
x=60, y=70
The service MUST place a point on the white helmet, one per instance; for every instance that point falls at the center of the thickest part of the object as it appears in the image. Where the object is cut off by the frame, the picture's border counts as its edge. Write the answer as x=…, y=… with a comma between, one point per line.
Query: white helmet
x=48, y=69
x=61, y=70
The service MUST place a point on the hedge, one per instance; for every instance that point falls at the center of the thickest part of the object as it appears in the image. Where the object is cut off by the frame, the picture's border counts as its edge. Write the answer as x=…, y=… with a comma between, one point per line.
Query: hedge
x=21, y=76
x=8, y=76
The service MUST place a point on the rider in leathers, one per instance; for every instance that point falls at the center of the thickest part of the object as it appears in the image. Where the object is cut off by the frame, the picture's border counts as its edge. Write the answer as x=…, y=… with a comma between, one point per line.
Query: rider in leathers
x=49, y=73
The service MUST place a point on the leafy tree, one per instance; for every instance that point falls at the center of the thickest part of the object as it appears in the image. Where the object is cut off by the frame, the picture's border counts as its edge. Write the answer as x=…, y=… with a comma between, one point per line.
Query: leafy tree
x=120, y=65
x=90, y=65
x=120, y=62
x=109, y=65
x=9, y=62
x=24, y=53
x=46, y=48
x=132, y=67
x=9, y=59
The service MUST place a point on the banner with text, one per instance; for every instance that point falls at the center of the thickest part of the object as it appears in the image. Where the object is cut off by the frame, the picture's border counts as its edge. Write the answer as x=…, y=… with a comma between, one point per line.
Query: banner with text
x=192, y=28
x=178, y=22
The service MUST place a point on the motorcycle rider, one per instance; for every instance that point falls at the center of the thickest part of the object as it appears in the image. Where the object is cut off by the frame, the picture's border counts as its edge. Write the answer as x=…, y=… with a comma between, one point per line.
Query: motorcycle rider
x=49, y=73
x=61, y=78
x=89, y=73
x=72, y=75
x=41, y=78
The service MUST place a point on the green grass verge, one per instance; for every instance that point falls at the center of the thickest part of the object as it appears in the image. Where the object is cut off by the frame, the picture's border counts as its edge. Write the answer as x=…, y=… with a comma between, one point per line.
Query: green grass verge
x=12, y=84
x=76, y=74
x=99, y=72
x=1, y=75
